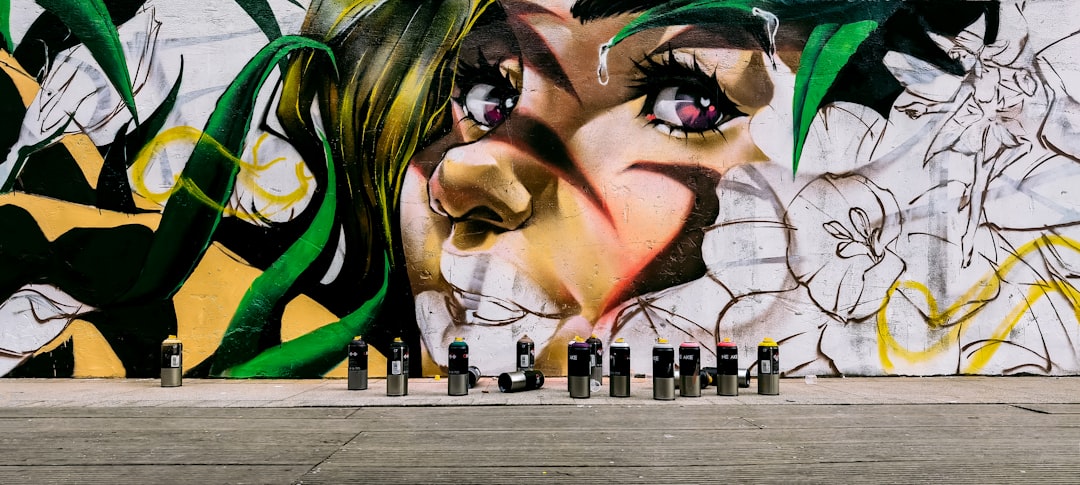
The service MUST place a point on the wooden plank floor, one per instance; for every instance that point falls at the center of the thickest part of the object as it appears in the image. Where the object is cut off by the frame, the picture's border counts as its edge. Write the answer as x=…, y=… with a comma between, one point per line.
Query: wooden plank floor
x=957, y=443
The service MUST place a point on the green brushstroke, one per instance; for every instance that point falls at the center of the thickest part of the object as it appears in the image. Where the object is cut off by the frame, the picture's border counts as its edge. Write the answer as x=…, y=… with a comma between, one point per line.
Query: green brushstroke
x=89, y=20
x=188, y=223
x=28, y=150
x=241, y=339
x=5, y=25
x=263, y=15
x=827, y=51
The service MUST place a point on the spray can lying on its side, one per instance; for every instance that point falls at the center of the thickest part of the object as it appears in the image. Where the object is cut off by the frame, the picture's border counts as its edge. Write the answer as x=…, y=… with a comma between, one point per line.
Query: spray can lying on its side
x=579, y=370
x=172, y=362
x=727, y=366
x=522, y=380
x=690, y=369
x=619, y=369
x=474, y=376
x=397, y=369
x=358, y=364
x=663, y=371
x=458, y=367
x=768, y=367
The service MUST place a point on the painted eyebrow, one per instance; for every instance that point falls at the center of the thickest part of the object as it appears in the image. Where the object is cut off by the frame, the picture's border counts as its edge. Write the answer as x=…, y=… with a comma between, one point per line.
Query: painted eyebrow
x=538, y=54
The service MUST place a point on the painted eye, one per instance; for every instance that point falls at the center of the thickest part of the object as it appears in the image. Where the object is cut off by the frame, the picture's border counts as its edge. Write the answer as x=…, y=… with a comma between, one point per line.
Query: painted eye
x=680, y=98
x=686, y=110
x=488, y=105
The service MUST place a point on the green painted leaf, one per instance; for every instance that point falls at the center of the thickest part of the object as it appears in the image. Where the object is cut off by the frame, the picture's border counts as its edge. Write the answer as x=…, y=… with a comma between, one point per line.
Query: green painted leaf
x=241, y=339
x=188, y=221
x=89, y=20
x=318, y=351
x=5, y=25
x=28, y=150
x=685, y=13
x=827, y=51
x=260, y=12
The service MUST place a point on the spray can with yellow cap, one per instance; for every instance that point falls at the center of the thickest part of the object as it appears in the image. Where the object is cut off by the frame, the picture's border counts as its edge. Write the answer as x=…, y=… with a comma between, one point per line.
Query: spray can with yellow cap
x=727, y=368
x=397, y=369
x=358, y=362
x=619, y=368
x=458, y=382
x=172, y=362
x=579, y=369
x=663, y=370
x=768, y=381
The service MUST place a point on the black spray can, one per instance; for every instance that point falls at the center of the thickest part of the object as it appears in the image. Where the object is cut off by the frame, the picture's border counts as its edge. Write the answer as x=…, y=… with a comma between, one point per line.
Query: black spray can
x=663, y=357
x=619, y=369
x=596, y=362
x=522, y=380
x=397, y=369
x=690, y=369
x=474, y=376
x=568, y=347
x=526, y=354
x=458, y=383
x=358, y=362
x=579, y=369
x=768, y=377
x=727, y=368
x=172, y=362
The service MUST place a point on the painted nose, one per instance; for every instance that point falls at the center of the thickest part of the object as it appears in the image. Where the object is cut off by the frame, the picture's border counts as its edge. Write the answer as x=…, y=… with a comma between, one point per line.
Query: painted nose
x=477, y=182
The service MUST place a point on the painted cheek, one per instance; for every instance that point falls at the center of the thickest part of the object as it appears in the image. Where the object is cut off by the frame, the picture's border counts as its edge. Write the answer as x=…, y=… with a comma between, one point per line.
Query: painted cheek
x=422, y=232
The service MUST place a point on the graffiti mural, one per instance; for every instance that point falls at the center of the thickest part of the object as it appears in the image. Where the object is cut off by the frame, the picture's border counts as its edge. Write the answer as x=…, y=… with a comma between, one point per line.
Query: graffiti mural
x=883, y=187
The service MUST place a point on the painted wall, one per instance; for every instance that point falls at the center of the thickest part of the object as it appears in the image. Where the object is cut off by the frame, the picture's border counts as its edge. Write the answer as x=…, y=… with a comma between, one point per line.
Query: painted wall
x=881, y=187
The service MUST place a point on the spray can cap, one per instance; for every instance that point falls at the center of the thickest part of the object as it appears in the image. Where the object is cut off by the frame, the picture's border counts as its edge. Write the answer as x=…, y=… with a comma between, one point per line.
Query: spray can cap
x=577, y=338
x=459, y=339
x=356, y=338
x=620, y=340
x=661, y=340
x=689, y=344
x=172, y=337
x=397, y=339
x=725, y=343
x=768, y=342
x=525, y=338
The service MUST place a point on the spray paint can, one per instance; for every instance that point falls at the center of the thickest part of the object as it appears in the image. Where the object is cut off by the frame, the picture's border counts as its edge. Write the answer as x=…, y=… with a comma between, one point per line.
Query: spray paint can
x=172, y=362
x=474, y=376
x=358, y=362
x=579, y=370
x=727, y=368
x=768, y=380
x=663, y=357
x=526, y=354
x=458, y=382
x=689, y=369
x=596, y=362
x=522, y=380
x=619, y=369
x=568, y=347
x=397, y=369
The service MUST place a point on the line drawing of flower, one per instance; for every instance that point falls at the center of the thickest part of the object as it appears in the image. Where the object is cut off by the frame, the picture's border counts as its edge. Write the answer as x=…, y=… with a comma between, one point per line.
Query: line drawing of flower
x=845, y=261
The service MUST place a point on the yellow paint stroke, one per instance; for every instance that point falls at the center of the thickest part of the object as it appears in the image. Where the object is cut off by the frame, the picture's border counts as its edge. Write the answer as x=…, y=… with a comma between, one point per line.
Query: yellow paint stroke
x=969, y=304
x=187, y=134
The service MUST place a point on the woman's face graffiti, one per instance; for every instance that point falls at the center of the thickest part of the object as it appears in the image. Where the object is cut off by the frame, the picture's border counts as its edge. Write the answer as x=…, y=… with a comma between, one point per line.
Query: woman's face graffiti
x=555, y=197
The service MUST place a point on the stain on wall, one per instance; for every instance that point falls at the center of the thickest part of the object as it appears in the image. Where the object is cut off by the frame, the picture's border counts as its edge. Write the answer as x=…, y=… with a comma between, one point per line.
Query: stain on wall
x=883, y=187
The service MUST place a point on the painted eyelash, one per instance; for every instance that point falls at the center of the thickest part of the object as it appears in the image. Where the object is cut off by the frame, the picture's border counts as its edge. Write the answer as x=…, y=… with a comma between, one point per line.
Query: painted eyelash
x=656, y=73
x=484, y=71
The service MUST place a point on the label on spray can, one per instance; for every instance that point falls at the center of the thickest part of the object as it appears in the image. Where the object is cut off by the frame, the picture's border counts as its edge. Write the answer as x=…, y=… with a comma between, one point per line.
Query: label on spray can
x=663, y=361
x=170, y=355
x=358, y=355
x=620, y=361
x=459, y=357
